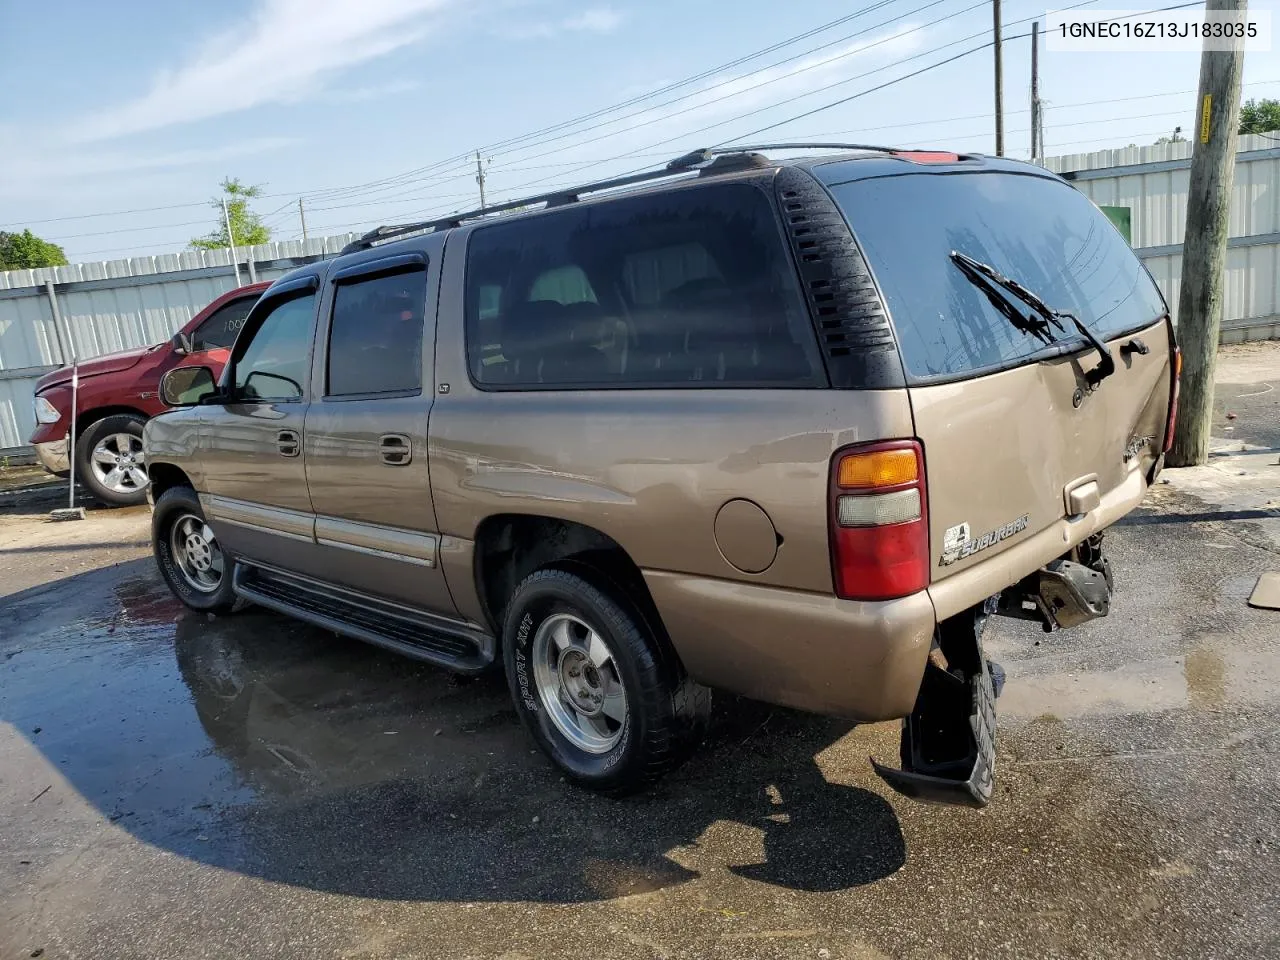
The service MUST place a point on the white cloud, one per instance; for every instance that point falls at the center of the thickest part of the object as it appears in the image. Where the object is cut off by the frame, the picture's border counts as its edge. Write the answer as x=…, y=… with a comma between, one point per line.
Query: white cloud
x=374, y=92
x=599, y=20
x=595, y=20
x=51, y=164
x=283, y=54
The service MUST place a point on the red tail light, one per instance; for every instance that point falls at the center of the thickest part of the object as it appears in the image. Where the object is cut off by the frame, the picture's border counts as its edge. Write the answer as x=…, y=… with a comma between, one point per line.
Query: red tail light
x=1173, y=399
x=879, y=521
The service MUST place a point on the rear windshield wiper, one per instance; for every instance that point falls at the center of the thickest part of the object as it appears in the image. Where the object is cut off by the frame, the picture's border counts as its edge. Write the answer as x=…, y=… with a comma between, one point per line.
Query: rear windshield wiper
x=1045, y=319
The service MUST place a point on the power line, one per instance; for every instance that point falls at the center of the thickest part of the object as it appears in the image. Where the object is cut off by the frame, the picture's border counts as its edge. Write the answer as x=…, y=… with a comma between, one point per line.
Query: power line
x=862, y=93
x=388, y=183
x=817, y=90
x=400, y=179
x=407, y=177
x=831, y=24
x=342, y=227
x=404, y=179
x=844, y=100
x=983, y=116
x=751, y=89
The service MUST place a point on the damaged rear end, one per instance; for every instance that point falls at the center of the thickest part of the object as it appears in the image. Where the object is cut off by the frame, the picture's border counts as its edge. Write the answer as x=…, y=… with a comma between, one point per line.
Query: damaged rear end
x=1042, y=371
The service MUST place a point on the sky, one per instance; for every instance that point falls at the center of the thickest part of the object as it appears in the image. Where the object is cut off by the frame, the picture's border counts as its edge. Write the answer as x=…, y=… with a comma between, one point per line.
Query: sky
x=120, y=119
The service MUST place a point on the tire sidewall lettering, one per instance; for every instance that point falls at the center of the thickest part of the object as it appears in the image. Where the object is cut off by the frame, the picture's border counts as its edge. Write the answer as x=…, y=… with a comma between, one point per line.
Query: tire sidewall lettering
x=522, y=662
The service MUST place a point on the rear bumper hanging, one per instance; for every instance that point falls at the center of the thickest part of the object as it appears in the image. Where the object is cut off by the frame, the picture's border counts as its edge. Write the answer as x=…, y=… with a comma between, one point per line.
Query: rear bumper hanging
x=948, y=748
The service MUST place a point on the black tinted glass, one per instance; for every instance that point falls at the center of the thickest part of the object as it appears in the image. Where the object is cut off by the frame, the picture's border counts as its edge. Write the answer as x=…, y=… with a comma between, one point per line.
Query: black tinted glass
x=688, y=288
x=375, y=336
x=219, y=331
x=1042, y=233
x=273, y=364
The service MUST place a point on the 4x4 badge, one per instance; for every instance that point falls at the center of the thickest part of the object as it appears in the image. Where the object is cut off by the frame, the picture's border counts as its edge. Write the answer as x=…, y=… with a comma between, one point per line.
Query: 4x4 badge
x=957, y=544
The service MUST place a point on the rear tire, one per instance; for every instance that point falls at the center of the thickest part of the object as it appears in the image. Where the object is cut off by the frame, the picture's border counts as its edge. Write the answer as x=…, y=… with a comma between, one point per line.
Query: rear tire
x=599, y=690
x=109, y=460
x=192, y=563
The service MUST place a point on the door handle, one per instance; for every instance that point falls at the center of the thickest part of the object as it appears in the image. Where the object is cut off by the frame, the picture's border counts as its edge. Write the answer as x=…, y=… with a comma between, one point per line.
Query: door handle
x=287, y=443
x=395, y=449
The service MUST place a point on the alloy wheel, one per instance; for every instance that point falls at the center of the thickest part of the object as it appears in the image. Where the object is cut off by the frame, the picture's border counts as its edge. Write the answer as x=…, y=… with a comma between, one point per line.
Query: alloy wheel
x=118, y=464
x=579, y=684
x=196, y=553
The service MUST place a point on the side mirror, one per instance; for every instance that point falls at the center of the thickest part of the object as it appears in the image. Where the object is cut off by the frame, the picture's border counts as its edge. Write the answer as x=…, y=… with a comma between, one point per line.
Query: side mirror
x=181, y=344
x=187, y=386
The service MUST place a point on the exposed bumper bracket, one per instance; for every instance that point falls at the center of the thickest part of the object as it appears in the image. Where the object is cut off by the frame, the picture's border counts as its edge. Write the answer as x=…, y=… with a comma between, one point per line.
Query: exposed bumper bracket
x=1064, y=593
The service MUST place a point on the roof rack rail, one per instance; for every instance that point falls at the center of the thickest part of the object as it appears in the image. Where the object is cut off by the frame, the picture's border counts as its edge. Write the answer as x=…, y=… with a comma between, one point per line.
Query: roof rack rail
x=689, y=163
x=710, y=160
x=876, y=148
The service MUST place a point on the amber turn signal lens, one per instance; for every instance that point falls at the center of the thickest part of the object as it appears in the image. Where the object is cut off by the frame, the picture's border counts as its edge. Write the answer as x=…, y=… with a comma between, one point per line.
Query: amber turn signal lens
x=877, y=468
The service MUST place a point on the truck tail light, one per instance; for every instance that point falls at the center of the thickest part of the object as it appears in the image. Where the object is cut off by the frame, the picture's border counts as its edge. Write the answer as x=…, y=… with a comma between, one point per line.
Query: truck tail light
x=879, y=521
x=1173, y=399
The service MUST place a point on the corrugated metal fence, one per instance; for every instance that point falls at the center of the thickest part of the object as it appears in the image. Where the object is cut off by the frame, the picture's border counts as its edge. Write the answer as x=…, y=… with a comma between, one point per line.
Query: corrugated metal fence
x=131, y=303
x=115, y=305
x=1152, y=182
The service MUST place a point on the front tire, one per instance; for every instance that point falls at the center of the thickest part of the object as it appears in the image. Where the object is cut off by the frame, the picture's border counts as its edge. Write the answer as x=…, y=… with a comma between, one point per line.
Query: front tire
x=598, y=689
x=109, y=460
x=190, y=559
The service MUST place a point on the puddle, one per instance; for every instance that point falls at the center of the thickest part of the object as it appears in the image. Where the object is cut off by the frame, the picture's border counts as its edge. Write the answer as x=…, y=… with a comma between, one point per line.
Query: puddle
x=1205, y=674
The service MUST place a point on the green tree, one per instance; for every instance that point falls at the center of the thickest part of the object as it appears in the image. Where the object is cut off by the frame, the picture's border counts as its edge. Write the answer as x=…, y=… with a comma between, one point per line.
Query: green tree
x=26, y=251
x=247, y=228
x=1259, y=116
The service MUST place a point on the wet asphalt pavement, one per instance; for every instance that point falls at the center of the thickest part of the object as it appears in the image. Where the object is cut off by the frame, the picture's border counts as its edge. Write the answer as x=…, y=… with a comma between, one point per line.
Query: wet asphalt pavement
x=178, y=786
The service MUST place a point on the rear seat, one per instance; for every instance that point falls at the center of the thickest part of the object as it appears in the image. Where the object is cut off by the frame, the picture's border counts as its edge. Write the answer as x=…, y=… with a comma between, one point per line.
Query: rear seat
x=538, y=340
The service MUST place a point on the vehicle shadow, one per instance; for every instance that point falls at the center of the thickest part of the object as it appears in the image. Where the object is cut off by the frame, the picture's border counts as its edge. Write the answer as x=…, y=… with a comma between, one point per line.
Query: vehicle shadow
x=280, y=751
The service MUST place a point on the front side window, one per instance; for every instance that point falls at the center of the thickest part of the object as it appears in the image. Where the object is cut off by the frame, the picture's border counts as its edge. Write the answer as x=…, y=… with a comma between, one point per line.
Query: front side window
x=1040, y=232
x=219, y=330
x=375, y=335
x=273, y=364
x=692, y=287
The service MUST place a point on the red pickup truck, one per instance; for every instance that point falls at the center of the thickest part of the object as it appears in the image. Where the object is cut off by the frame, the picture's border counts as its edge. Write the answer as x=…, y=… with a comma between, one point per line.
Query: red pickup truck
x=119, y=392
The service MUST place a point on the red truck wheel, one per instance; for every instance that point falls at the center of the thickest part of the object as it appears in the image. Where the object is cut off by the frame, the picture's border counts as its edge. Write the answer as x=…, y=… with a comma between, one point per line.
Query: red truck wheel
x=109, y=460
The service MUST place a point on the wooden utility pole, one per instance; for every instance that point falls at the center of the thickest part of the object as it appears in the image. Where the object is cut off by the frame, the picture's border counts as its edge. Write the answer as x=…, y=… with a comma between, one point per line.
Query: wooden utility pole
x=1037, y=141
x=302, y=215
x=1204, y=249
x=480, y=178
x=995, y=20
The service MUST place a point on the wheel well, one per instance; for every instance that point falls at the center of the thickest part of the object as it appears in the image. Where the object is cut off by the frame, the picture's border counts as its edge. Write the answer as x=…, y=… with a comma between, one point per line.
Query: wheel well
x=509, y=547
x=89, y=417
x=165, y=476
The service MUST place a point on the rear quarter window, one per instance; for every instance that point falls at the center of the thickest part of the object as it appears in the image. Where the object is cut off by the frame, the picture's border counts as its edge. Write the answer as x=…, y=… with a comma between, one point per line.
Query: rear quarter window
x=687, y=288
x=1038, y=231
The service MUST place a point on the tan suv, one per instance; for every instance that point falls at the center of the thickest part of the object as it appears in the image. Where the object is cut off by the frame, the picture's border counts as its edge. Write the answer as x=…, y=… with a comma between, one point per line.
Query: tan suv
x=792, y=429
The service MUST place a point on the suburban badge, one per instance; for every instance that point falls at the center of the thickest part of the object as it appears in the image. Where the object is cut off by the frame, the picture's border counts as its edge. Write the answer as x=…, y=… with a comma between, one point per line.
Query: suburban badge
x=957, y=544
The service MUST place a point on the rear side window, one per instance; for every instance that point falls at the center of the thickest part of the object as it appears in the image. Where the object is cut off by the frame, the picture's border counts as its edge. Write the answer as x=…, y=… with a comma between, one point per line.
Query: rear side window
x=1041, y=232
x=375, y=335
x=683, y=289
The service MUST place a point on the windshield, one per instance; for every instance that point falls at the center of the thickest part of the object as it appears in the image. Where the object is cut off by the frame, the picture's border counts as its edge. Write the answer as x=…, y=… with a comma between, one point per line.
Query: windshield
x=1042, y=232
